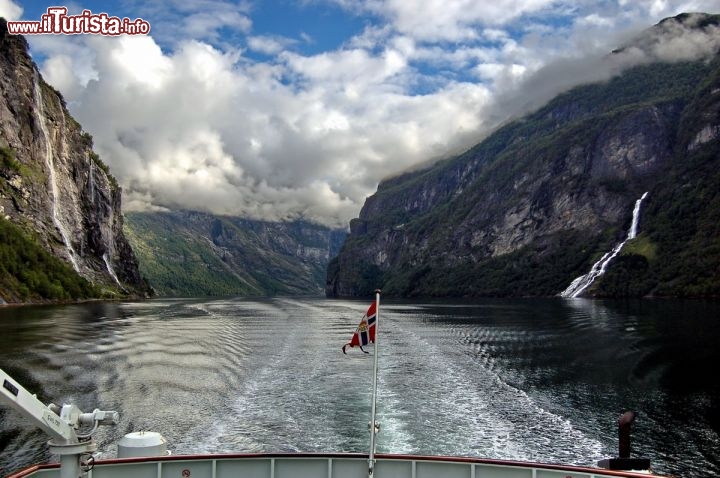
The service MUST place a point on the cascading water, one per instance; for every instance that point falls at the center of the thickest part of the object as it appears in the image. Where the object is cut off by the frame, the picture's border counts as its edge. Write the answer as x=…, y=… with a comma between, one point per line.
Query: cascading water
x=581, y=283
x=55, y=191
x=632, y=233
x=91, y=181
x=105, y=257
x=111, y=270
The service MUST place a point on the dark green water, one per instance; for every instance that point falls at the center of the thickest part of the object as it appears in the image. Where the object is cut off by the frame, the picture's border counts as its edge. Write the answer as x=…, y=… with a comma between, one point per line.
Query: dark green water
x=540, y=380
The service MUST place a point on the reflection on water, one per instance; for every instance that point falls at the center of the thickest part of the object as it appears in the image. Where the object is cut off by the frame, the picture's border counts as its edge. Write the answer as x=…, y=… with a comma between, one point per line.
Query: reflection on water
x=541, y=380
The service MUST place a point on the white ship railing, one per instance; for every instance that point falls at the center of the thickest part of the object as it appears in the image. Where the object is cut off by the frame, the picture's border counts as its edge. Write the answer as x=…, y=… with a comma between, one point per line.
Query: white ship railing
x=302, y=465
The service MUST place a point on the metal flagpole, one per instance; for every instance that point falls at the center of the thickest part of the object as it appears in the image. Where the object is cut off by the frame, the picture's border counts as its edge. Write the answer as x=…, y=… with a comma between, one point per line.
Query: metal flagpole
x=373, y=426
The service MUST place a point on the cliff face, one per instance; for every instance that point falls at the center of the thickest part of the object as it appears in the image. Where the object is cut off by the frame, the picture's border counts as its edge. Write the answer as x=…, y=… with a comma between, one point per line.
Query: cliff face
x=186, y=253
x=536, y=203
x=51, y=182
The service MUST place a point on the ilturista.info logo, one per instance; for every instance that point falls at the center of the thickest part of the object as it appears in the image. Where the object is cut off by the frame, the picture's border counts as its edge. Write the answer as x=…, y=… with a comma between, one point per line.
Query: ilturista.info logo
x=57, y=22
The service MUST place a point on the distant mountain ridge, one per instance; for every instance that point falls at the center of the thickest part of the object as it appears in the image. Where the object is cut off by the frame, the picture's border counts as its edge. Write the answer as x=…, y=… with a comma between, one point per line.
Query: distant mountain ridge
x=61, y=235
x=187, y=253
x=535, y=204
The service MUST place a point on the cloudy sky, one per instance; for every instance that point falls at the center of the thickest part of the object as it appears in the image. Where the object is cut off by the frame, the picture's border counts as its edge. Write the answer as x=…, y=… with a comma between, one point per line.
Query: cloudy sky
x=285, y=109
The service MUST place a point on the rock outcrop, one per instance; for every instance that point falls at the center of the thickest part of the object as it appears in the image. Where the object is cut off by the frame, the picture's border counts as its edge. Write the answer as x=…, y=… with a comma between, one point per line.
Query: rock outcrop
x=52, y=184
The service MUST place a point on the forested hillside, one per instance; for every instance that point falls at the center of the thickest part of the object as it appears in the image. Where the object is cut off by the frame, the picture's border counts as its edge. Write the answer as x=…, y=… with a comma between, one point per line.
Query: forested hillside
x=187, y=253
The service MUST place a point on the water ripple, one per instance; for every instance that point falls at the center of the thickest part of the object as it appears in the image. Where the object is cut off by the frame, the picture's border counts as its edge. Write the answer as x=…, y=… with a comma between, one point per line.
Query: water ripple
x=537, y=380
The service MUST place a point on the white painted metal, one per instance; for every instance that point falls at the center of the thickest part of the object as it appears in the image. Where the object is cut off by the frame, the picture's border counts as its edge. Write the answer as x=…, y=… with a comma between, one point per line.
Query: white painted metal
x=324, y=466
x=27, y=404
x=373, y=427
x=138, y=444
x=61, y=423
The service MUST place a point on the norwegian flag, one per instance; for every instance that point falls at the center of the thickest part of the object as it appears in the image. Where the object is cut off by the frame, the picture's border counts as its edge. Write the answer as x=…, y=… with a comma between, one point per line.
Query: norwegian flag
x=365, y=333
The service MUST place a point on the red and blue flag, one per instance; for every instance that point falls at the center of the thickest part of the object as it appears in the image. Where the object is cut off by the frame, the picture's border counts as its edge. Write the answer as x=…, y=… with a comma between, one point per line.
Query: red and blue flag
x=365, y=332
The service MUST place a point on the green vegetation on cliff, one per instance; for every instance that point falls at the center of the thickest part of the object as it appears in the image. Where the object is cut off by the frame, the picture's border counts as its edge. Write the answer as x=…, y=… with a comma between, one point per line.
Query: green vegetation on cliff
x=28, y=273
x=197, y=254
x=8, y=161
x=678, y=252
x=179, y=264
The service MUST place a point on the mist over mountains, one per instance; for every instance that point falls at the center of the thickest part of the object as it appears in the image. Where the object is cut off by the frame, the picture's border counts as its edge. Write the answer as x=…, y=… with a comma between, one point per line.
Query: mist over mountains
x=229, y=119
x=541, y=199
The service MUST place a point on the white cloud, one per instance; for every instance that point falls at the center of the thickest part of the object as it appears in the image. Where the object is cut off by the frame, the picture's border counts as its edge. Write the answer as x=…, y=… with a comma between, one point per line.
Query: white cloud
x=673, y=41
x=207, y=24
x=269, y=45
x=9, y=10
x=202, y=126
x=204, y=129
x=595, y=20
x=499, y=72
x=658, y=9
x=58, y=71
x=448, y=20
x=356, y=66
x=180, y=20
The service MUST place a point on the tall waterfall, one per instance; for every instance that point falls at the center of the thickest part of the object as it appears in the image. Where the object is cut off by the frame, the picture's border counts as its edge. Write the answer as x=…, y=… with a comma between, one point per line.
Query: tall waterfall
x=107, y=238
x=111, y=270
x=581, y=283
x=55, y=191
x=91, y=181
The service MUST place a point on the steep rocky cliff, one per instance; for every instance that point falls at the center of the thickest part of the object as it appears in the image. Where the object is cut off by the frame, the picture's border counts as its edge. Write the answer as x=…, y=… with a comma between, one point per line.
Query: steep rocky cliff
x=55, y=190
x=535, y=204
x=186, y=253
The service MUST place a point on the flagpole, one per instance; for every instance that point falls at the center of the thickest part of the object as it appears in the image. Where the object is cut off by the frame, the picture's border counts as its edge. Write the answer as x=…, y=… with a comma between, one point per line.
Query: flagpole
x=373, y=428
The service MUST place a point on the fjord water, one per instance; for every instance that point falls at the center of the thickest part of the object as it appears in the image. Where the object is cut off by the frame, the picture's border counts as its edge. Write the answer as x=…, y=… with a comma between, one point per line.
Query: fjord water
x=541, y=380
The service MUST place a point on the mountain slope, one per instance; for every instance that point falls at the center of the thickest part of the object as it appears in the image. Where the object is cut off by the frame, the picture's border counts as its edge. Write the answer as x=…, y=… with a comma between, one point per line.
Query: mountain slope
x=535, y=204
x=197, y=254
x=59, y=206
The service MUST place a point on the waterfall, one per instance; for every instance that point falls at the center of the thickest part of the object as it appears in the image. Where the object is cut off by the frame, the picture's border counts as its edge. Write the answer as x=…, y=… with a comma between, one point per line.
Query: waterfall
x=111, y=270
x=54, y=190
x=581, y=283
x=632, y=233
x=91, y=180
